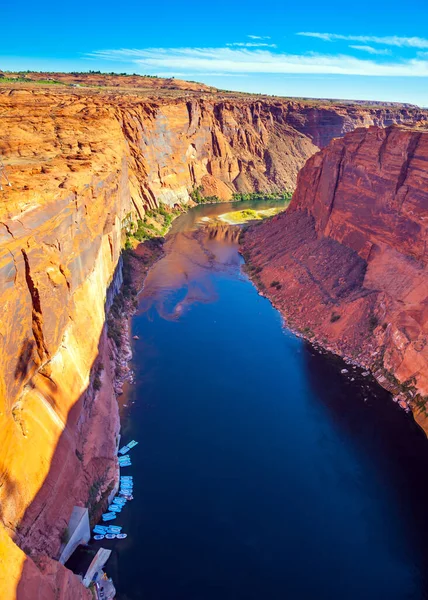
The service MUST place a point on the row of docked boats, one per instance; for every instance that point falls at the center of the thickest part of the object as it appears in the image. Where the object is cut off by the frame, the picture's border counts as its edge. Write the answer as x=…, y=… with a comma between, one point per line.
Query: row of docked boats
x=126, y=488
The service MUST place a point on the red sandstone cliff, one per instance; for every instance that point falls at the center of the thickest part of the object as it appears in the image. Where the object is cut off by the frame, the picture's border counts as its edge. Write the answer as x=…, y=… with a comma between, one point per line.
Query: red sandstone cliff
x=348, y=259
x=82, y=165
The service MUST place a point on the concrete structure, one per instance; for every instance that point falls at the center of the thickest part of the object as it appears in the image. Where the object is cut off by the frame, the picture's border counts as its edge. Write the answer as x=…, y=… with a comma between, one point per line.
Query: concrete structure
x=96, y=567
x=79, y=532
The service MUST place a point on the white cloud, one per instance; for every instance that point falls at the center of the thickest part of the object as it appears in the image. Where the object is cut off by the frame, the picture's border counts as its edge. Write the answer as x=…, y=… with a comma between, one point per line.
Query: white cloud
x=393, y=40
x=371, y=50
x=242, y=60
x=259, y=37
x=252, y=45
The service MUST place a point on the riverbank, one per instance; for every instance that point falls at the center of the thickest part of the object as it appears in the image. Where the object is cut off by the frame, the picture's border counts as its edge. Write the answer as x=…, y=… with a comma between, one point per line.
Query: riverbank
x=296, y=320
x=221, y=446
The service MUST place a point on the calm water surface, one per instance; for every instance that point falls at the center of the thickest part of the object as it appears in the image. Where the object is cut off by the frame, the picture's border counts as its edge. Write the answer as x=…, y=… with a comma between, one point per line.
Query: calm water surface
x=262, y=472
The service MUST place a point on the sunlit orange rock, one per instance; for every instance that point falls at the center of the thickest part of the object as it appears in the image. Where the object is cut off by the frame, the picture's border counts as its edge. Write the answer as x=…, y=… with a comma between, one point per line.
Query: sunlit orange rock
x=83, y=163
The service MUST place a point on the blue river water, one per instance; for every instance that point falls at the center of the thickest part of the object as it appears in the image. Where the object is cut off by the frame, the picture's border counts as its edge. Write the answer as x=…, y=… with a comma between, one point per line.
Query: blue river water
x=262, y=472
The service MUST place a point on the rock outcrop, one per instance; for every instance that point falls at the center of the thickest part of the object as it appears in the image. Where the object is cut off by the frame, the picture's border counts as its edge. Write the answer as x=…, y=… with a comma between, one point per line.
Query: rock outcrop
x=83, y=165
x=347, y=263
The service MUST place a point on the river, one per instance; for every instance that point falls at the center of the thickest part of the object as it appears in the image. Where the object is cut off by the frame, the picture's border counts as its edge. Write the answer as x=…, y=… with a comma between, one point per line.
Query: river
x=262, y=471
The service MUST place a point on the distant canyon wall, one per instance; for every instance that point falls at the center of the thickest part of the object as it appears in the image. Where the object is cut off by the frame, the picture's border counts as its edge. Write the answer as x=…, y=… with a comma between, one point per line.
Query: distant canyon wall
x=84, y=165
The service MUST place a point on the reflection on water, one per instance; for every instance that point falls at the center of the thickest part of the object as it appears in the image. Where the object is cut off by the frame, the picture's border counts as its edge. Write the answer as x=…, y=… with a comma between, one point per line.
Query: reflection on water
x=262, y=472
x=190, y=259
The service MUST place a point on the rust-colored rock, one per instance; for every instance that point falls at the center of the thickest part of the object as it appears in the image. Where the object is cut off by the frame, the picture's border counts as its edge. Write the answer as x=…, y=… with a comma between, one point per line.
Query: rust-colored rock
x=350, y=255
x=82, y=164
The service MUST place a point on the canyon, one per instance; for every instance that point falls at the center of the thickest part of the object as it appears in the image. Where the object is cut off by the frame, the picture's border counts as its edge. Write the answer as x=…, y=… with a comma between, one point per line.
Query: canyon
x=346, y=263
x=84, y=164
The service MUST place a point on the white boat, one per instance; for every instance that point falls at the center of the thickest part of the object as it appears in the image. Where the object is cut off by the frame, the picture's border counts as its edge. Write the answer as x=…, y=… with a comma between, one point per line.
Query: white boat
x=110, y=536
x=121, y=536
x=99, y=537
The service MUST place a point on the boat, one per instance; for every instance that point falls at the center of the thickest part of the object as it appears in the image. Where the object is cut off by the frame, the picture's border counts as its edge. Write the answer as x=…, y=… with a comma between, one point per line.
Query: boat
x=99, y=537
x=109, y=516
x=123, y=450
x=116, y=509
x=100, y=529
x=132, y=444
x=114, y=529
x=110, y=536
x=121, y=536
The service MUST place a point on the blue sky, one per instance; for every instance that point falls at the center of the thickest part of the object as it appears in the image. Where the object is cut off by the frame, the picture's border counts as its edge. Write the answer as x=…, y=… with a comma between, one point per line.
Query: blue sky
x=373, y=50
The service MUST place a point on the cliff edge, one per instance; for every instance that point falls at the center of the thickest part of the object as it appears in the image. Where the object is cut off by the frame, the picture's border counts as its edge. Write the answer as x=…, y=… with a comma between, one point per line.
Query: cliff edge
x=347, y=262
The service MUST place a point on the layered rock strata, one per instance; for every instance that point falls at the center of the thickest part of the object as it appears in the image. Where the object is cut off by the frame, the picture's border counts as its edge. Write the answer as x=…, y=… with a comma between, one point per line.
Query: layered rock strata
x=347, y=263
x=84, y=165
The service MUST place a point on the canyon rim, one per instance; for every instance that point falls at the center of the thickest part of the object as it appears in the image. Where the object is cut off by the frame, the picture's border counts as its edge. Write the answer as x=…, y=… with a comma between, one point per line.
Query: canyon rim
x=345, y=264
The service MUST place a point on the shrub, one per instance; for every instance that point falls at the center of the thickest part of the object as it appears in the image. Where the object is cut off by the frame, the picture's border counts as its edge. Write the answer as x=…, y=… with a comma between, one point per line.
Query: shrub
x=285, y=195
x=373, y=322
x=65, y=536
x=334, y=317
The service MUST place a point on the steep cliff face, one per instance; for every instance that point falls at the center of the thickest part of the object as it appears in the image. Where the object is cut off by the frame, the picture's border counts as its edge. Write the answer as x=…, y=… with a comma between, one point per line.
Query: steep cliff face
x=348, y=260
x=82, y=166
x=323, y=123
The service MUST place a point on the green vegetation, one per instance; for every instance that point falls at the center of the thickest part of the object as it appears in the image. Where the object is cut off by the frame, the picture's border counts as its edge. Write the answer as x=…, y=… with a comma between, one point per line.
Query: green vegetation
x=94, y=503
x=334, y=317
x=155, y=224
x=111, y=73
x=373, y=322
x=97, y=376
x=243, y=216
x=27, y=80
x=262, y=196
x=65, y=536
x=421, y=403
x=197, y=196
x=307, y=331
x=275, y=284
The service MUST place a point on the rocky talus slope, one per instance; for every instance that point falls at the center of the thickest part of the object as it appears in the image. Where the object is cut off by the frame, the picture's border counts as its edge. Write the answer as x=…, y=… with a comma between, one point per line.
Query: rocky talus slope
x=84, y=164
x=347, y=263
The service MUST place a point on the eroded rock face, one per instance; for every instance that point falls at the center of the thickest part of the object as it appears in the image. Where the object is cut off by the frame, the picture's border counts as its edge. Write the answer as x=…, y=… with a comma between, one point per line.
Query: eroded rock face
x=82, y=166
x=349, y=258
